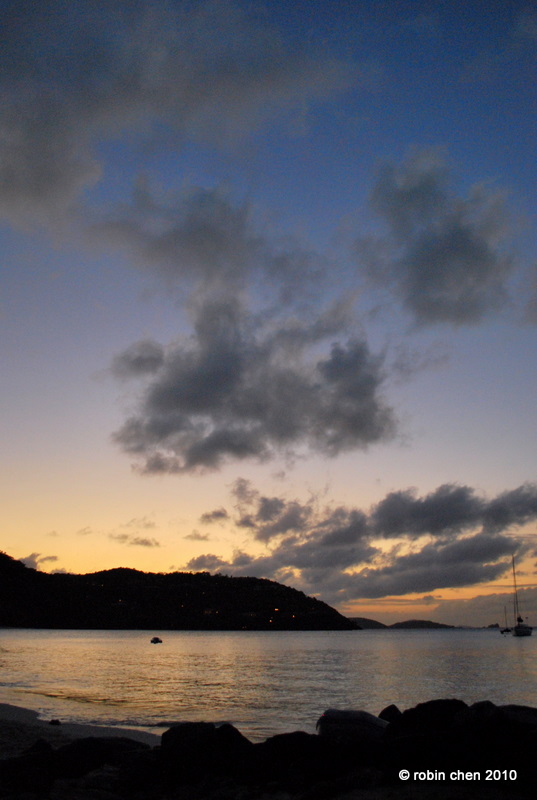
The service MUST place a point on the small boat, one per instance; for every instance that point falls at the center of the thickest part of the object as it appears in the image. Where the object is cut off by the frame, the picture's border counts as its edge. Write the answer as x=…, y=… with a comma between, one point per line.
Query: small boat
x=520, y=628
x=156, y=640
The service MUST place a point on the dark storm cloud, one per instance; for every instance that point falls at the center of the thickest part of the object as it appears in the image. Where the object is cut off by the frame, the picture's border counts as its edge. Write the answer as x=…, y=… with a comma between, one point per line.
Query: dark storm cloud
x=444, y=256
x=282, y=517
x=457, y=538
x=452, y=508
x=448, y=508
x=291, y=516
x=268, y=517
x=344, y=528
x=511, y=508
x=238, y=389
x=464, y=562
x=305, y=544
x=74, y=74
x=206, y=563
x=300, y=561
x=342, y=565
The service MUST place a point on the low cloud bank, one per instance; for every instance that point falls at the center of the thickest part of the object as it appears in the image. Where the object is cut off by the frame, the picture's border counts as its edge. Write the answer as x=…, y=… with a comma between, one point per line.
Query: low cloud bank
x=451, y=537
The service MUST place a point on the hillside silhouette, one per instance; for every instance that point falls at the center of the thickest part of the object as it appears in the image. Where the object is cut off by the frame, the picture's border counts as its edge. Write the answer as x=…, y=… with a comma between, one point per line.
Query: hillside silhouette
x=130, y=599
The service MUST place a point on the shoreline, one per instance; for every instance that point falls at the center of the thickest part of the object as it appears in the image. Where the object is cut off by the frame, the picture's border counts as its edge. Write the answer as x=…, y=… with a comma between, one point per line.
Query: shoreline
x=355, y=755
x=20, y=727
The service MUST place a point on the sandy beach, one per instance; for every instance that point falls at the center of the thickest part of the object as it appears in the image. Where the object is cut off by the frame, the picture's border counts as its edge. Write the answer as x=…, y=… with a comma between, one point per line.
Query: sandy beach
x=21, y=727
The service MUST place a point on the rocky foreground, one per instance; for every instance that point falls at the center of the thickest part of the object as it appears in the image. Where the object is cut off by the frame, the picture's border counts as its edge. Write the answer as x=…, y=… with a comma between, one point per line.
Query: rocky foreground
x=439, y=749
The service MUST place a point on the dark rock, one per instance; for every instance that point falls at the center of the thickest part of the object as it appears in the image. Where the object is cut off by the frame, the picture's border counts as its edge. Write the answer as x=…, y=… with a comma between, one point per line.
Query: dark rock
x=350, y=786
x=505, y=736
x=359, y=728
x=479, y=725
x=84, y=755
x=33, y=771
x=187, y=752
x=191, y=750
x=232, y=750
x=293, y=758
x=524, y=716
x=423, y=737
x=202, y=760
x=430, y=717
x=447, y=735
x=140, y=772
x=184, y=737
x=390, y=713
x=100, y=784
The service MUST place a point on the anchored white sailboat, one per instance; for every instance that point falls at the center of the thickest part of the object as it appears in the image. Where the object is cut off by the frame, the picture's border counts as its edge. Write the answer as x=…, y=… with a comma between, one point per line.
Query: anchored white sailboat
x=520, y=628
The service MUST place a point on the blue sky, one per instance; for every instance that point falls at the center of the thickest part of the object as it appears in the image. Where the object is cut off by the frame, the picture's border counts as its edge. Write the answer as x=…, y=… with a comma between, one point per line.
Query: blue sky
x=268, y=279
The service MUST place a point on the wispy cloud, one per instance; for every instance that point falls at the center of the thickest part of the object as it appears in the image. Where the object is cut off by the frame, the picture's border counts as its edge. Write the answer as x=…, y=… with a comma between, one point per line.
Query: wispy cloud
x=445, y=257
x=196, y=536
x=133, y=541
x=34, y=560
x=86, y=531
x=143, y=541
x=71, y=77
x=217, y=515
x=142, y=523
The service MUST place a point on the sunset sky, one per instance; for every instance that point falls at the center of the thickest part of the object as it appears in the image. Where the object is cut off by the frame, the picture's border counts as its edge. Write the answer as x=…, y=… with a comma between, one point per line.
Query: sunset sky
x=269, y=295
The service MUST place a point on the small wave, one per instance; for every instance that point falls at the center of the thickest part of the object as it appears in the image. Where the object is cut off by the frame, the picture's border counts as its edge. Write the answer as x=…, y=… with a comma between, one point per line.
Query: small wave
x=77, y=698
x=166, y=723
x=169, y=723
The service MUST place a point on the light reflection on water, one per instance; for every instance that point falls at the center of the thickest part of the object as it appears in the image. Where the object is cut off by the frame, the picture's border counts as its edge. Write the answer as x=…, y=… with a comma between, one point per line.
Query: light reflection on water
x=263, y=682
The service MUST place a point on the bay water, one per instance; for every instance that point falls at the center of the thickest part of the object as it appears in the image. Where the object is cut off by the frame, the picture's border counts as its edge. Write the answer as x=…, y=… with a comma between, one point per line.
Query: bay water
x=263, y=682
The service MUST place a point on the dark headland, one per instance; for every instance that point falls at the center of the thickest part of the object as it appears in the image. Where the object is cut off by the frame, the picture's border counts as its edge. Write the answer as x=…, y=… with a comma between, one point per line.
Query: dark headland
x=128, y=599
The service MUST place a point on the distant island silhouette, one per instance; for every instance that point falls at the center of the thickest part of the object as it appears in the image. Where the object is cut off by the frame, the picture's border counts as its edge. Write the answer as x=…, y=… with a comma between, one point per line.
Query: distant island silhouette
x=410, y=624
x=128, y=599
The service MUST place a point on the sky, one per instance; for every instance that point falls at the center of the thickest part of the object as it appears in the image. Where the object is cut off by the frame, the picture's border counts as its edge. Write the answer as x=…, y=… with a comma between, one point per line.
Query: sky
x=269, y=295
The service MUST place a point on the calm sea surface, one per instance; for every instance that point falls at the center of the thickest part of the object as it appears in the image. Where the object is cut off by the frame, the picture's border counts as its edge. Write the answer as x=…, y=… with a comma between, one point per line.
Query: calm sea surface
x=262, y=682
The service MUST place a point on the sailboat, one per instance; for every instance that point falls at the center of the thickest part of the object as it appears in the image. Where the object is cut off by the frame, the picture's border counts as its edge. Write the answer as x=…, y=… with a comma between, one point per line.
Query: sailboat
x=506, y=628
x=520, y=628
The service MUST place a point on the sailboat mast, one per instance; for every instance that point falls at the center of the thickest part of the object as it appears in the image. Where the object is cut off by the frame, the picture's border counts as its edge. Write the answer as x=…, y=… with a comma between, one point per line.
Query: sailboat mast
x=521, y=628
x=516, y=610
